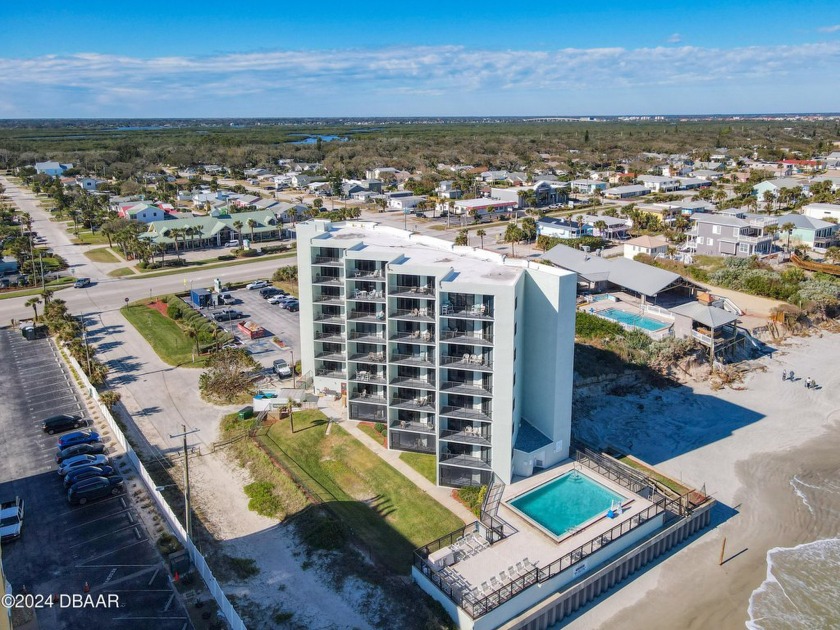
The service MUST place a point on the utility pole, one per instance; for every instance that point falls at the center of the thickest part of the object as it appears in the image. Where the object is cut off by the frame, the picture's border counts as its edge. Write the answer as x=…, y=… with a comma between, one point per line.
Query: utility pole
x=187, y=518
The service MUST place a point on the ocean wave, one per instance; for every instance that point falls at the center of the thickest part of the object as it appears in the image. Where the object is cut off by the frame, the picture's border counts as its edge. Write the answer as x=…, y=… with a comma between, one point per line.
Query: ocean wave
x=800, y=589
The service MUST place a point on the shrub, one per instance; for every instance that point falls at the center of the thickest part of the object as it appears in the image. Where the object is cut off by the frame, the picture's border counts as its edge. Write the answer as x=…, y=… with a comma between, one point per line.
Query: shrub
x=262, y=499
x=227, y=257
x=173, y=311
x=380, y=428
x=473, y=497
x=246, y=253
x=589, y=326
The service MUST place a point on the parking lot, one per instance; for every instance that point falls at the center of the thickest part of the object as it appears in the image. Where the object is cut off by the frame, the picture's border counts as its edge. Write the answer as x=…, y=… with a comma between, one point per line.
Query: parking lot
x=277, y=322
x=101, y=548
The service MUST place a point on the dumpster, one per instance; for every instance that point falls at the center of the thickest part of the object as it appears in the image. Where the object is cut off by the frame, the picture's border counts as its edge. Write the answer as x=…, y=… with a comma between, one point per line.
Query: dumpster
x=246, y=412
x=201, y=297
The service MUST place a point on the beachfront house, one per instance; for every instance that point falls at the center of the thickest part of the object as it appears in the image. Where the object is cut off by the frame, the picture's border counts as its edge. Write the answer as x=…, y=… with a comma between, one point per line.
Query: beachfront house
x=721, y=235
x=650, y=245
x=822, y=211
x=555, y=227
x=809, y=231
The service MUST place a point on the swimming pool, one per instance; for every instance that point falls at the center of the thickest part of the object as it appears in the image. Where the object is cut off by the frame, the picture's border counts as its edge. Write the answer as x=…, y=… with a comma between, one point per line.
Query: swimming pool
x=631, y=319
x=566, y=503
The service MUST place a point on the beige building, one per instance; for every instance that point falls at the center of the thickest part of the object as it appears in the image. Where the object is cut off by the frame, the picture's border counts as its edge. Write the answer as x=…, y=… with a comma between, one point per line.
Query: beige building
x=650, y=245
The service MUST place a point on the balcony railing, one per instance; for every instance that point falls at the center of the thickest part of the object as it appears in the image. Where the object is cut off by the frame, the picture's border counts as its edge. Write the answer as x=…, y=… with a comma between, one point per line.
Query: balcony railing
x=422, y=403
x=408, y=425
x=377, y=276
x=367, y=316
x=331, y=356
x=328, y=299
x=330, y=280
x=368, y=398
x=330, y=318
x=330, y=336
x=423, y=358
x=332, y=261
x=477, y=311
x=331, y=373
x=413, y=292
x=470, y=413
x=366, y=296
x=369, y=357
x=467, y=361
x=368, y=337
x=418, y=314
x=369, y=377
x=414, y=337
x=468, y=388
x=415, y=383
x=465, y=461
x=467, y=338
x=467, y=436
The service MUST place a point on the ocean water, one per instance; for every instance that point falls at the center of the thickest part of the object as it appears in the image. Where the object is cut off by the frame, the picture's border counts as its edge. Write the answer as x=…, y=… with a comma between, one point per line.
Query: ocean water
x=802, y=586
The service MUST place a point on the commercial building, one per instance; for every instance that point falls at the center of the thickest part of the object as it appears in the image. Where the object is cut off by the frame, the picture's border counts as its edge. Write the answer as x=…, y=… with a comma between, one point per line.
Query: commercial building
x=460, y=352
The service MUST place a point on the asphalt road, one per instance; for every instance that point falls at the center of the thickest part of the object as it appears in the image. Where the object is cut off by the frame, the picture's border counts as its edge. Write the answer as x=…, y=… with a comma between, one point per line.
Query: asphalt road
x=62, y=547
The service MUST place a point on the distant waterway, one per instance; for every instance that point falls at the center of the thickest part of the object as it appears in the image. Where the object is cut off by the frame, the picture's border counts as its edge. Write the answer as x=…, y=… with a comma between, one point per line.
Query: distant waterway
x=313, y=139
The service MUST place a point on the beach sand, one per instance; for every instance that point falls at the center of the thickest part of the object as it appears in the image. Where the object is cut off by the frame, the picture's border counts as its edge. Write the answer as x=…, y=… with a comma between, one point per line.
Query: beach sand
x=753, y=449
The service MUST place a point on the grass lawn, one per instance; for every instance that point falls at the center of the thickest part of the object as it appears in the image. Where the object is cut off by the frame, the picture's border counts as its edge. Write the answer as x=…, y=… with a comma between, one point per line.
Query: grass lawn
x=86, y=237
x=422, y=463
x=382, y=508
x=372, y=432
x=54, y=285
x=205, y=264
x=102, y=254
x=121, y=272
x=164, y=335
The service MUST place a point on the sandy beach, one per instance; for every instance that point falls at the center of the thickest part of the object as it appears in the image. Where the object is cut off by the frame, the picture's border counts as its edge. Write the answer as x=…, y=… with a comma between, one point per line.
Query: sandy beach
x=755, y=450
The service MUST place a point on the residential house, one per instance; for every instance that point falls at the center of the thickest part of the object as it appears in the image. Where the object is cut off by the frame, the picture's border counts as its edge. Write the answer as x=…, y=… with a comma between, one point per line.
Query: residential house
x=832, y=160
x=721, y=235
x=667, y=213
x=381, y=173
x=707, y=174
x=243, y=201
x=822, y=211
x=619, y=178
x=793, y=167
x=626, y=192
x=290, y=212
x=834, y=179
x=517, y=179
x=615, y=228
x=478, y=208
x=545, y=193
x=659, y=183
x=494, y=177
x=650, y=245
x=809, y=231
x=406, y=203
x=53, y=169
x=775, y=186
x=447, y=190
x=587, y=186
x=693, y=183
x=89, y=184
x=116, y=202
x=282, y=181
x=560, y=228
x=143, y=212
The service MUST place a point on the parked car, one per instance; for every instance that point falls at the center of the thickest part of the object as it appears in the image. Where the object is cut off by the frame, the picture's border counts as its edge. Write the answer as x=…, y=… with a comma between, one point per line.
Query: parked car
x=81, y=283
x=94, y=488
x=256, y=284
x=227, y=298
x=11, y=519
x=86, y=472
x=78, y=437
x=82, y=460
x=227, y=315
x=231, y=244
x=292, y=307
x=62, y=422
x=268, y=292
x=282, y=369
x=277, y=299
x=97, y=448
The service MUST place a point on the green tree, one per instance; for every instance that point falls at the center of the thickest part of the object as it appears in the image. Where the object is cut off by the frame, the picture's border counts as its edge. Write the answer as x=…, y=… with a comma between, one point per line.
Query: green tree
x=481, y=233
x=832, y=254
x=788, y=228
x=33, y=302
x=513, y=234
x=237, y=225
x=462, y=238
x=251, y=225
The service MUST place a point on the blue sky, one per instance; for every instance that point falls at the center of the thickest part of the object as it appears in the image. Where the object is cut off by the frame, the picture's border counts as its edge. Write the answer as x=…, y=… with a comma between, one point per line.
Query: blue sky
x=156, y=59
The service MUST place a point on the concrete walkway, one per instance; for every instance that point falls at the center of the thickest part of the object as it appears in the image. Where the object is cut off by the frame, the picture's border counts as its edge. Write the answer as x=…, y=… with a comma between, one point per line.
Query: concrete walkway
x=440, y=494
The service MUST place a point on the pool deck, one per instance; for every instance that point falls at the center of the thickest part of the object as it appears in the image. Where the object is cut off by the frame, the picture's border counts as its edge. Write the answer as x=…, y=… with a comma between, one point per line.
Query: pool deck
x=531, y=541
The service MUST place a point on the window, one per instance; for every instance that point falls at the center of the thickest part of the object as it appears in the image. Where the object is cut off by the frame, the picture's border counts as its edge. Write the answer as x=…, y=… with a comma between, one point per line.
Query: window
x=710, y=241
x=715, y=229
x=516, y=302
x=514, y=405
x=744, y=248
x=736, y=231
x=515, y=327
x=700, y=240
x=514, y=354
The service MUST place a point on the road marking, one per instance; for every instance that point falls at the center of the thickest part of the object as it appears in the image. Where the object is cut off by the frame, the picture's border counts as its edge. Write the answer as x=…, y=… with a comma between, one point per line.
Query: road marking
x=110, y=575
x=169, y=603
x=154, y=575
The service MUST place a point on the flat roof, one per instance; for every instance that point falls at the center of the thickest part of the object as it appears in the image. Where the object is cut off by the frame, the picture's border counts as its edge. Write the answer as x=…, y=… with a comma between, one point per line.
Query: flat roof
x=483, y=203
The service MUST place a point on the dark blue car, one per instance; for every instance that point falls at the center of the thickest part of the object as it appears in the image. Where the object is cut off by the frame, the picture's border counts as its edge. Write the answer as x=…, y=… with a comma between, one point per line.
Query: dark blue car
x=86, y=472
x=78, y=437
x=94, y=488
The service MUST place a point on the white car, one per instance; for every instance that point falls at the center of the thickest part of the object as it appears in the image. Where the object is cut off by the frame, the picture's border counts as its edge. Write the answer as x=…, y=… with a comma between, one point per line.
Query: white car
x=11, y=519
x=257, y=284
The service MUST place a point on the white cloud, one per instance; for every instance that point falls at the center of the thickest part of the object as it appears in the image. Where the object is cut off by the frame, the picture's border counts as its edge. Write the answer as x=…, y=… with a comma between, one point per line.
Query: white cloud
x=829, y=29
x=675, y=38
x=319, y=82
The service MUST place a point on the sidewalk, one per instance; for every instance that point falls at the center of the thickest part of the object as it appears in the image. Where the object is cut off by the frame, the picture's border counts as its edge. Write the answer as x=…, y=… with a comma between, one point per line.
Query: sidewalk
x=442, y=495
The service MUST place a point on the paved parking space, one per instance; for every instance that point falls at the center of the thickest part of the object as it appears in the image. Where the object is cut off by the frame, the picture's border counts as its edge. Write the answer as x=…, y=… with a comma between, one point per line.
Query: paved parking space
x=103, y=543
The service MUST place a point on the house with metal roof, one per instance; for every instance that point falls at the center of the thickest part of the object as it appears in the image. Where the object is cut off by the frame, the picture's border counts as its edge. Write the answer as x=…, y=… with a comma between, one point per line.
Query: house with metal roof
x=213, y=231
x=626, y=192
x=649, y=245
x=740, y=235
x=810, y=231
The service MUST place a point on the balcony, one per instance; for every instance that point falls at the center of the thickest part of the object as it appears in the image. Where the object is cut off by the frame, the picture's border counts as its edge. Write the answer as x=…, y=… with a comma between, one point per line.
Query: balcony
x=369, y=357
x=414, y=337
x=366, y=296
x=423, y=403
x=408, y=425
x=467, y=338
x=363, y=411
x=424, y=359
x=368, y=337
x=475, y=311
x=329, y=318
x=423, y=293
x=467, y=413
x=328, y=280
x=363, y=274
x=418, y=441
x=466, y=388
x=467, y=436
x=414, y=314
x=467, y=362
x=364, y=376
x=413, y=382
x=331, y=356
x=367, y=316
x=328, y=299
x=744, y=238
x=463, y=461
x=331, y=337
x=328, y=261
x=368, y=398
x=331, y=373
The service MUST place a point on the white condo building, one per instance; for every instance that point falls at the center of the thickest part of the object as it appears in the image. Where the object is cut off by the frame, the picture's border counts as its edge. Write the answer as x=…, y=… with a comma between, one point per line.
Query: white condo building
x=460, y=352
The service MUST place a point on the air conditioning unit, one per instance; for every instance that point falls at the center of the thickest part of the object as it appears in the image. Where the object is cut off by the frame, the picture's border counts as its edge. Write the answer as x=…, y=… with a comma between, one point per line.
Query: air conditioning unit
x=585, y=248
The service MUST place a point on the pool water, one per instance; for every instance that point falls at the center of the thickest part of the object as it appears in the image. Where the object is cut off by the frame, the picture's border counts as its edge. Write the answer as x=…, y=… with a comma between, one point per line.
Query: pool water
x=631, y=319
x=566, y=502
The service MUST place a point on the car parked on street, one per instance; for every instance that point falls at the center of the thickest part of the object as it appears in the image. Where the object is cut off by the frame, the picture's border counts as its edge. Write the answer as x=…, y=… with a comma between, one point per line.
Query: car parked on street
x=62, y=422
x=82, y=460
x=78, y=437
x=256, y=284
x=94, y=488
x=11, y=519
x=96, y=448
x=227, y=315
x=86, y=472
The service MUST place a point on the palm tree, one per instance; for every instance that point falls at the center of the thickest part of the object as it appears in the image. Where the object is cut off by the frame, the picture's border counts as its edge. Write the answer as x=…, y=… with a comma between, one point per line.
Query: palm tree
x=251, y=225
x=789, y=228
x=34, y=302
x=601, y=226
x=833, y=254
x=769, y=199
x=513, y=234
x=481, y=233
x=237, y=225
